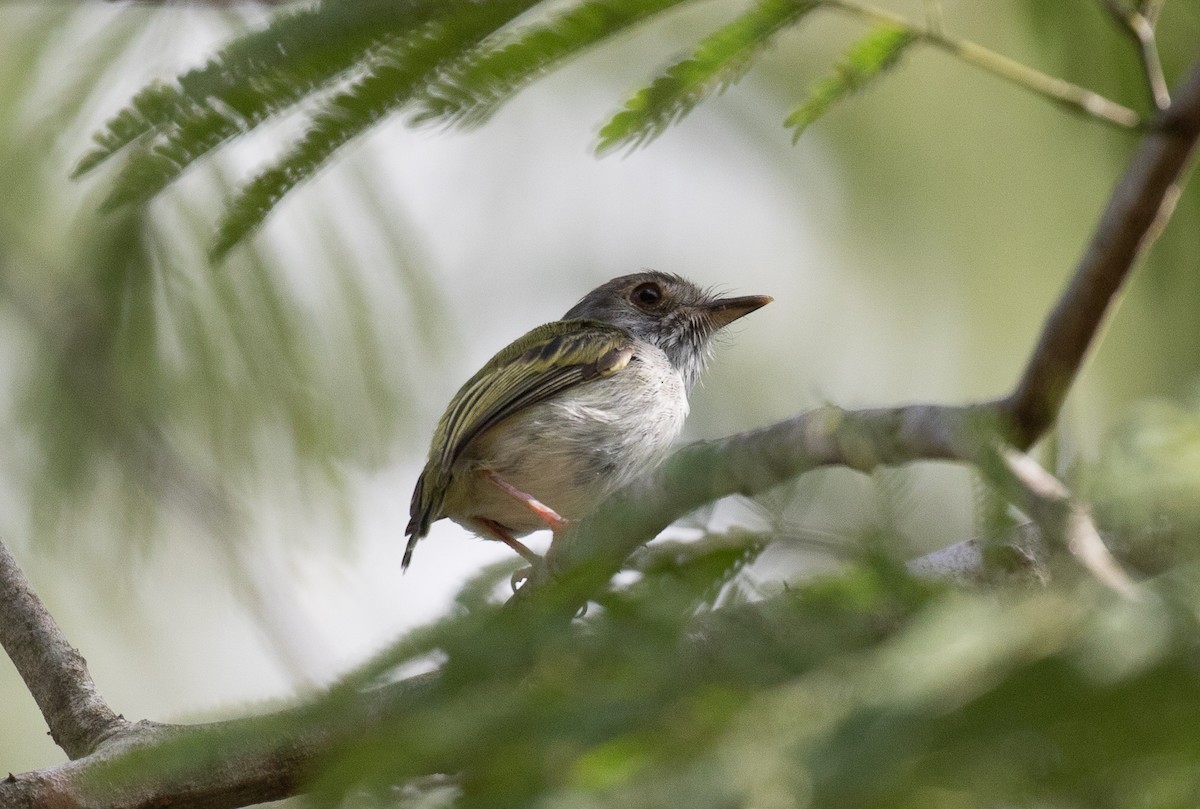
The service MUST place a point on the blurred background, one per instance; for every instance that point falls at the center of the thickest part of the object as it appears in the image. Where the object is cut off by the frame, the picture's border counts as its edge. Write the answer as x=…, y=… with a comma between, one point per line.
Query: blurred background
x=208, y=469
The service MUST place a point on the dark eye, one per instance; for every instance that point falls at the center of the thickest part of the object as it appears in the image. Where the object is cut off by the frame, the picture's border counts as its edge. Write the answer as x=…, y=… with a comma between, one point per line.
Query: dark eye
x=647, y=295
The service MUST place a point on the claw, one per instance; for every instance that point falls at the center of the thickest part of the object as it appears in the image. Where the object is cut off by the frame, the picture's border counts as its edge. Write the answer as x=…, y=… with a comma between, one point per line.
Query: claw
x=519, y=577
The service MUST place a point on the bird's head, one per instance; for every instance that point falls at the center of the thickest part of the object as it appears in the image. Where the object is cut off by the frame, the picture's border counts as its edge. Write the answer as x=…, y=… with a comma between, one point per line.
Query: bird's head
x=667, y=311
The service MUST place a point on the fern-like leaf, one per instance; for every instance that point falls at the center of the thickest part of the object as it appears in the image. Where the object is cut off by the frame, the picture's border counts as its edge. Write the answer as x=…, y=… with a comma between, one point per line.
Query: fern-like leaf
x=471, y=93
x=200, y=126
x=398, y=71
x=718, y=61
x=865, y=61
x=172, y=125
x=706, y=565
x=294, y=43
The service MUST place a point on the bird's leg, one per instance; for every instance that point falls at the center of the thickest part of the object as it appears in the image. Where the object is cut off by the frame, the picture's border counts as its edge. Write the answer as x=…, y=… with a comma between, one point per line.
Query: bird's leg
x=498, y=531
x=553, y=520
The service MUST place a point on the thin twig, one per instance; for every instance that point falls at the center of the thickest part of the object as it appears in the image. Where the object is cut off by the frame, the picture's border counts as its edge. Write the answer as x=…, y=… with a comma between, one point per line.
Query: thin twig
x=53, y=670
x=1060, y=91
x=1150, y=9
x=1063, y=520
x=1140, y=27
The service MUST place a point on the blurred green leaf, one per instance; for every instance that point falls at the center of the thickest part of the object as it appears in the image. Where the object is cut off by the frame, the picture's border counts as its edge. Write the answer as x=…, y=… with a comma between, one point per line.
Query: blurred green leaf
x=150, y=385
x=718, y=61
x=862, y=64
x=636, y=687
x=394, y=72
x=472, y=90
x=1146, y=484
x=257, y=75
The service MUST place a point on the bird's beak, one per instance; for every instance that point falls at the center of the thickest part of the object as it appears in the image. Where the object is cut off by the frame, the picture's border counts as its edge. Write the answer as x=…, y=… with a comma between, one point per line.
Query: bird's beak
x=726, y=310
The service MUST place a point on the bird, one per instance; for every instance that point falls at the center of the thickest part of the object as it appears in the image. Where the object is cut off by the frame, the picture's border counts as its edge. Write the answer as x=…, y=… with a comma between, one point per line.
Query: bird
x=571, y=411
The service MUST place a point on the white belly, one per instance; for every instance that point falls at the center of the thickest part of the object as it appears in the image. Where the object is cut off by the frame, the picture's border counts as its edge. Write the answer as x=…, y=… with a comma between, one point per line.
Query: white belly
x=573, y=450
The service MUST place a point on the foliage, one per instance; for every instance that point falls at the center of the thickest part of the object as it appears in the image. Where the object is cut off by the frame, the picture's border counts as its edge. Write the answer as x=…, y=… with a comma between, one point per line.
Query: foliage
x=865, y=688
x=348, y=64
x=719, y=60
x=862, y=64
x=141, y=380
x=475, y=88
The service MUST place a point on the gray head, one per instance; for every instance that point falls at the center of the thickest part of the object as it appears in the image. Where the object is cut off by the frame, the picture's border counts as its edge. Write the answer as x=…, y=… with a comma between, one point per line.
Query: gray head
x=667, y=311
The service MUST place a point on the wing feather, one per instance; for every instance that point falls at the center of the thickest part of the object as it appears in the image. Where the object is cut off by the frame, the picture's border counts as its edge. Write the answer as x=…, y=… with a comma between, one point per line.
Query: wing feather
x=546, y=361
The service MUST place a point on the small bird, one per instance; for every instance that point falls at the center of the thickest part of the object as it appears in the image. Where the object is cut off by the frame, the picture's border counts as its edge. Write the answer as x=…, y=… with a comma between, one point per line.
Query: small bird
x=572, y=411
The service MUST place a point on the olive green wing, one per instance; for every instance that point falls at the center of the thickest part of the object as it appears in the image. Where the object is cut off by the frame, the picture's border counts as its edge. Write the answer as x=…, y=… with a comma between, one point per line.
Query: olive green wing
x=547, y=360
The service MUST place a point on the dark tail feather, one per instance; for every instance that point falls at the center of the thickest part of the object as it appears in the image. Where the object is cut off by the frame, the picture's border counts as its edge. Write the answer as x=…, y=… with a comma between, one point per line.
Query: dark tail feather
x=419, y=519
x=408, y=552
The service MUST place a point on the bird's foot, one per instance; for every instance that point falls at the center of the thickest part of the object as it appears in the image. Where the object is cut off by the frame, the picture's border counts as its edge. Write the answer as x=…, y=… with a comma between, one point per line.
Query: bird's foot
x=554, y=521
x=497, y=531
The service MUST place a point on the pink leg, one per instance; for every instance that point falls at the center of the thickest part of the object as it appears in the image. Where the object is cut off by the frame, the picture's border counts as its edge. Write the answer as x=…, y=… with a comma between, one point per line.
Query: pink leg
x=548, y=515
x=497, y=531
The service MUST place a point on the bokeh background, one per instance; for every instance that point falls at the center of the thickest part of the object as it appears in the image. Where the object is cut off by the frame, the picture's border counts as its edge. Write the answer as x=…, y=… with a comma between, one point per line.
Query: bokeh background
x=208, y=469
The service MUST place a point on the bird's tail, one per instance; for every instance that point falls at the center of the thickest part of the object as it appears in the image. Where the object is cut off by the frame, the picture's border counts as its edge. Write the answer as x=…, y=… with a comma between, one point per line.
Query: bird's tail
x=418, y=523
x=408, y=552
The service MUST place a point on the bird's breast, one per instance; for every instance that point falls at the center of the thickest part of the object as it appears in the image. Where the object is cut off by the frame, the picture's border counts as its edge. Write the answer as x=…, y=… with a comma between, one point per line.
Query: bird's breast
x=574, y=449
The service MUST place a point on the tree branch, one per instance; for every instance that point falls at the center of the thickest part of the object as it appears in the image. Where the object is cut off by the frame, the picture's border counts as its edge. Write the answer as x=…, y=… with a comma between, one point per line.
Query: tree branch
x=1139, y=24
x=1136, y=213
x=1064, y=522
x=1060, y=91
x=53, y=670
x=256, y=759
x=219, y=765
x=755, y=461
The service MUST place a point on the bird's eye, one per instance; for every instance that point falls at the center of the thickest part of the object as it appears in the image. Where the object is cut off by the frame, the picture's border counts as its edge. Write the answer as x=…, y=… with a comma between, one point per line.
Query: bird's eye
x=647, y=295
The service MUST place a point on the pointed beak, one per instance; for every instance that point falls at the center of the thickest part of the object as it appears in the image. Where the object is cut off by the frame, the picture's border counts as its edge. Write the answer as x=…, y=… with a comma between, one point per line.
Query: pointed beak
x=726, y=310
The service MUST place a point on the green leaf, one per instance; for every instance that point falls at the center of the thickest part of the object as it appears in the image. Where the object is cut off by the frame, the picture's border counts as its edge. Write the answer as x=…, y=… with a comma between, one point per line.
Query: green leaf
x=705, y=565
x=865, y=61
x=472, y=92
x=719, y=60
x=297, y=52
x=395, y=73
x=169, y=126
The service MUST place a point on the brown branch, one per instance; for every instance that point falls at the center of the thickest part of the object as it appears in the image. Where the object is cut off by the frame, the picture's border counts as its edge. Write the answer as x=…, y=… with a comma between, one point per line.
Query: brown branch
x=219, y=765
x=582, y=559
x=1136, y=213
x=1020, y=556
x=53, y=670
x=230, y=764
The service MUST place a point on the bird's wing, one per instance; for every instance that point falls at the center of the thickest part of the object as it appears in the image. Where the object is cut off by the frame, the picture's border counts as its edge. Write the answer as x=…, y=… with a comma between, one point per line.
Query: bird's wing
x=547, y=360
